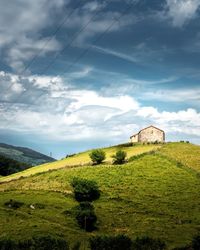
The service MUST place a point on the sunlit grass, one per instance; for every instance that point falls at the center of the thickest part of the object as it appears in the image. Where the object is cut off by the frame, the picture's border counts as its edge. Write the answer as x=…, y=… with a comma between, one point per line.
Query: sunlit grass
x=149, y=196
x=187, y=154
x=79, y=159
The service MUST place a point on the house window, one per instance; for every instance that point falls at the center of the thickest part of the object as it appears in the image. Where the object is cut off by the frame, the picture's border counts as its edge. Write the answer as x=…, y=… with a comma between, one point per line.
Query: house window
x=152, y=131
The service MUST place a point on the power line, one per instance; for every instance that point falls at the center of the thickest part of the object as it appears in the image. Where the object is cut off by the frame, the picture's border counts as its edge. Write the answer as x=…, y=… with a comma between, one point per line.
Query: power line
x=130, y=6
x=66, y=17
x=58, y=53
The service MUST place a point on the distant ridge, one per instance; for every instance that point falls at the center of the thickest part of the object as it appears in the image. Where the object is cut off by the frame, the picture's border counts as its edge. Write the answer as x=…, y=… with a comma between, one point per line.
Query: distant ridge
x=23, y=154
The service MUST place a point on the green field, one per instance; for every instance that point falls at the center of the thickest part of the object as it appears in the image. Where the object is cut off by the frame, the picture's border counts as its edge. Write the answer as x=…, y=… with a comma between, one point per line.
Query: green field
x=80, y=159
x=187, y=154
x=153, y=195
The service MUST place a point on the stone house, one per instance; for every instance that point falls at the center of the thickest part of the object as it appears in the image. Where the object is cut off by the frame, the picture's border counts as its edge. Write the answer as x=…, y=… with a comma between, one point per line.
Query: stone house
x=149, y=134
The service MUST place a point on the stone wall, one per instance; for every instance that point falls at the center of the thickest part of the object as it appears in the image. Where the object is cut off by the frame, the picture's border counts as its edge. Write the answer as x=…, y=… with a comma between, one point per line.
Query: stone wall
x=151, y=134
x=134, y=138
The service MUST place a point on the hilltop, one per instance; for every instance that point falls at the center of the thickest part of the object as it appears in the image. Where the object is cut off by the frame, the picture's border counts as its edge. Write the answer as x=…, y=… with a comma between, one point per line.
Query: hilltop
x=82, y=159
x=156, y=194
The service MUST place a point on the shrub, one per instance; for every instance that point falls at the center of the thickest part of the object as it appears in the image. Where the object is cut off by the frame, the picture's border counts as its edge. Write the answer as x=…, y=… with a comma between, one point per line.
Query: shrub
x=196, y=243
x=85, y=205
x=85, y=190
x=110, y=242
x=76, y=246
x=69, y=155
x=36, y=243
x=85, y=216
x=13, y=204
x=147, y=243
x=119, y=157
x=47, y=243
x=7, y=244
x=127, y=144
x=97, y=156
x=183, y=248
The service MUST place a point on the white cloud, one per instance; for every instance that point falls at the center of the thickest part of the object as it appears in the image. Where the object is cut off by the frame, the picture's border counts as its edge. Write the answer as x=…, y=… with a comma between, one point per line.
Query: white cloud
x=80, y=74
x=182, y=11
x=53, y=109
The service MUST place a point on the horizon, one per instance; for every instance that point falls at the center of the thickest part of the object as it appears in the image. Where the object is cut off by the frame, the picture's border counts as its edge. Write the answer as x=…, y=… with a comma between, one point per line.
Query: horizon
x=87, y=74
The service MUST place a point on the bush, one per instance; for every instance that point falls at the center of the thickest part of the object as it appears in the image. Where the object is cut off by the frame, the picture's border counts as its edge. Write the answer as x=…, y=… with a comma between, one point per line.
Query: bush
x=76, y=246
x=36, y=243
x=147, y=243
x=69, y=155
x=13, y=204
x=47, y=243
x=183, y=248
x=196, y=243
x=97, y=156
x=119, y=157
x=110, y=242
x=85, y=216
x=85, y=190
x=127, y=144
x=7, y=244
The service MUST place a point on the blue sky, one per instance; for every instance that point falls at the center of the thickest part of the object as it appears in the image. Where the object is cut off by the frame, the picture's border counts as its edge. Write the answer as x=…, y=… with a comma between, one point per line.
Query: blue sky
x=82, y=74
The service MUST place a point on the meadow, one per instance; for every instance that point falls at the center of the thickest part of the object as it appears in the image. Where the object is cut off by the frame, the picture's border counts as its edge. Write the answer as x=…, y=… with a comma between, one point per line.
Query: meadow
x=153, y=195
x=80, y=159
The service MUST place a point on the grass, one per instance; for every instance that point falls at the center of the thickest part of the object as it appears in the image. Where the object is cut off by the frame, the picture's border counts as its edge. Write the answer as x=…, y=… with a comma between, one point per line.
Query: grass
x=79, y=159
x=185, y=153
x=148, y=196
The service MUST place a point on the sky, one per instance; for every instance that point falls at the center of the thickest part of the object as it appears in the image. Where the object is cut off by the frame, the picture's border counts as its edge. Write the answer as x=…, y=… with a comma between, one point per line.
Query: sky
x=76, y=75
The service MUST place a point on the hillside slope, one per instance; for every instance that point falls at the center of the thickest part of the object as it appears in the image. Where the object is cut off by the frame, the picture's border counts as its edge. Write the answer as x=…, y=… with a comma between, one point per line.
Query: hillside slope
x=80, y=159
x=25, y=155
x=185, y=153
x=152, y=195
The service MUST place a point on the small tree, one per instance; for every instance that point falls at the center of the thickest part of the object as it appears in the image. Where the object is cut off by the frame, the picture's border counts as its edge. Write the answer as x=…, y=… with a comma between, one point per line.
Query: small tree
x=119, y=157
x=85, y=190
x=86, y=216
x=97, y=156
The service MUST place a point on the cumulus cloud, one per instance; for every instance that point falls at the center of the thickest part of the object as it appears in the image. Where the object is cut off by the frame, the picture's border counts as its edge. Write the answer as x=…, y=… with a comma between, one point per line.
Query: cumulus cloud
x=55, y=109
x=182, y=11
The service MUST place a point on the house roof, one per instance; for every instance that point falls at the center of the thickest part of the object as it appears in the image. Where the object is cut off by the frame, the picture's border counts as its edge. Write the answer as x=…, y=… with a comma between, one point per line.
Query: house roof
x=151, y=126
x=133, y=135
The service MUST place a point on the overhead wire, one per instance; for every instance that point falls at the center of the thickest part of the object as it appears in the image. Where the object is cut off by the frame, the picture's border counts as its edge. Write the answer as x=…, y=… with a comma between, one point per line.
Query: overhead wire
x=83, y=53
x=58, y=28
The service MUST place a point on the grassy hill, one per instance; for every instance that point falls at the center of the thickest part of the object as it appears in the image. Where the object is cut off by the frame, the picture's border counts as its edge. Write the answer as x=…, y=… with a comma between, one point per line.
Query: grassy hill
x=25, y=155
x=81, y=159
x=153, y=195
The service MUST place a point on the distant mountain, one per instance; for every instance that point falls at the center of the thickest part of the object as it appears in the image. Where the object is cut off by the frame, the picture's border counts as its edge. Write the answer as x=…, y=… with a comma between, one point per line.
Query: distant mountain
x=24, y=155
